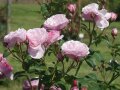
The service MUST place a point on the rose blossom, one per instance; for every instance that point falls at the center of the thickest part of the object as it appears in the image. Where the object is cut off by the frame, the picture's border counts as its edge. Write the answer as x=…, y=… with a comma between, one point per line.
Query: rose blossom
x=15, y=37
x=71, y=7
x=75, y=49
x=55, y=88
x=53, y=36
x=36, y=38
x=34, y=84
x=56, y=22
x=5, y=68
x=91, y=13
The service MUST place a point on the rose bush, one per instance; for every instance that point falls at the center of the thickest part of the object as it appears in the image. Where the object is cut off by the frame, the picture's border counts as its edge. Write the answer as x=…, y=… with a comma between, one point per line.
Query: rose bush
x=65, y=37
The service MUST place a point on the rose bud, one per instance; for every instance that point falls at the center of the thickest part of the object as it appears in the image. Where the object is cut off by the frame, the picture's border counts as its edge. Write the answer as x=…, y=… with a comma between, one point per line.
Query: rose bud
x=113, y=16
x=74, y=86
x=60, y=56
x=114, y=32
x=71, y=7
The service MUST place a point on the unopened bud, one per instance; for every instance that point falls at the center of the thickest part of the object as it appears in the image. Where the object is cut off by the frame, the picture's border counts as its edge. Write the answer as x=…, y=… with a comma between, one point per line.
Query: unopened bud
x=71, y=7
x=114, y=32
x=74, y=86
x=60, y=56
x=113, y=16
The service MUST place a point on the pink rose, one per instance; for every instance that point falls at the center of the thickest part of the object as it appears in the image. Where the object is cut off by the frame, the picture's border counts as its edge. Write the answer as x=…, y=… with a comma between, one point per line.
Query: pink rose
x=5, y=68
x=91, y=13
x=75, y=49
x=71, y=7
x=36, y=38
x=55, y=88
x=53, y=36
x=16, y=37
x=34, y=84
x=56, y=22
x=36, y=52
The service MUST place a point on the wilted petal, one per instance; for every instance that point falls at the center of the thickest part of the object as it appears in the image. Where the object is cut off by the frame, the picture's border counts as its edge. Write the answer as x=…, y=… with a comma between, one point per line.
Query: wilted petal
x=58, y=21
x=36, y=52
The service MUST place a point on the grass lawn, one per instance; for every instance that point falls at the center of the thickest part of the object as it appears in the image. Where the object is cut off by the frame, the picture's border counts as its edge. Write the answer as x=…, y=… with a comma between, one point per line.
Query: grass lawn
x=28, y=16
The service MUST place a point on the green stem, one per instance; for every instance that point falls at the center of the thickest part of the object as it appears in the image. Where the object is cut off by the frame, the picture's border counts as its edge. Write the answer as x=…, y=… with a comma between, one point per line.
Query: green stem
x=39, y=82
x=53, y=74
x=63, y=70
x=70, y=67
x=80, y=63
x=15, y=56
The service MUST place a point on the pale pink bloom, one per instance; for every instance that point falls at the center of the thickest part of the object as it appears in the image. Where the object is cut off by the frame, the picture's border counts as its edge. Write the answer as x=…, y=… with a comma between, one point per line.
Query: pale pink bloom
x=34, y=84
x=91, y=13
x=36, y=52
x=16, y=37
x=5, y=68
x=53, y=36
x=37, y=36
x=56, y=22
x=114, y=32
x=71, y=7
x=75, y=49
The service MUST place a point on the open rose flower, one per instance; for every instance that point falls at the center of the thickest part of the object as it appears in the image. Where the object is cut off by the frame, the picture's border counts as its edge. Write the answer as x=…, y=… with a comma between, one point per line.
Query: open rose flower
x=36, y=38
x=75, y=49
x=53, y=36
x=34, y=84
x=19, y=36
x=5, y=68
x=91, y=13
x=56, y=22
